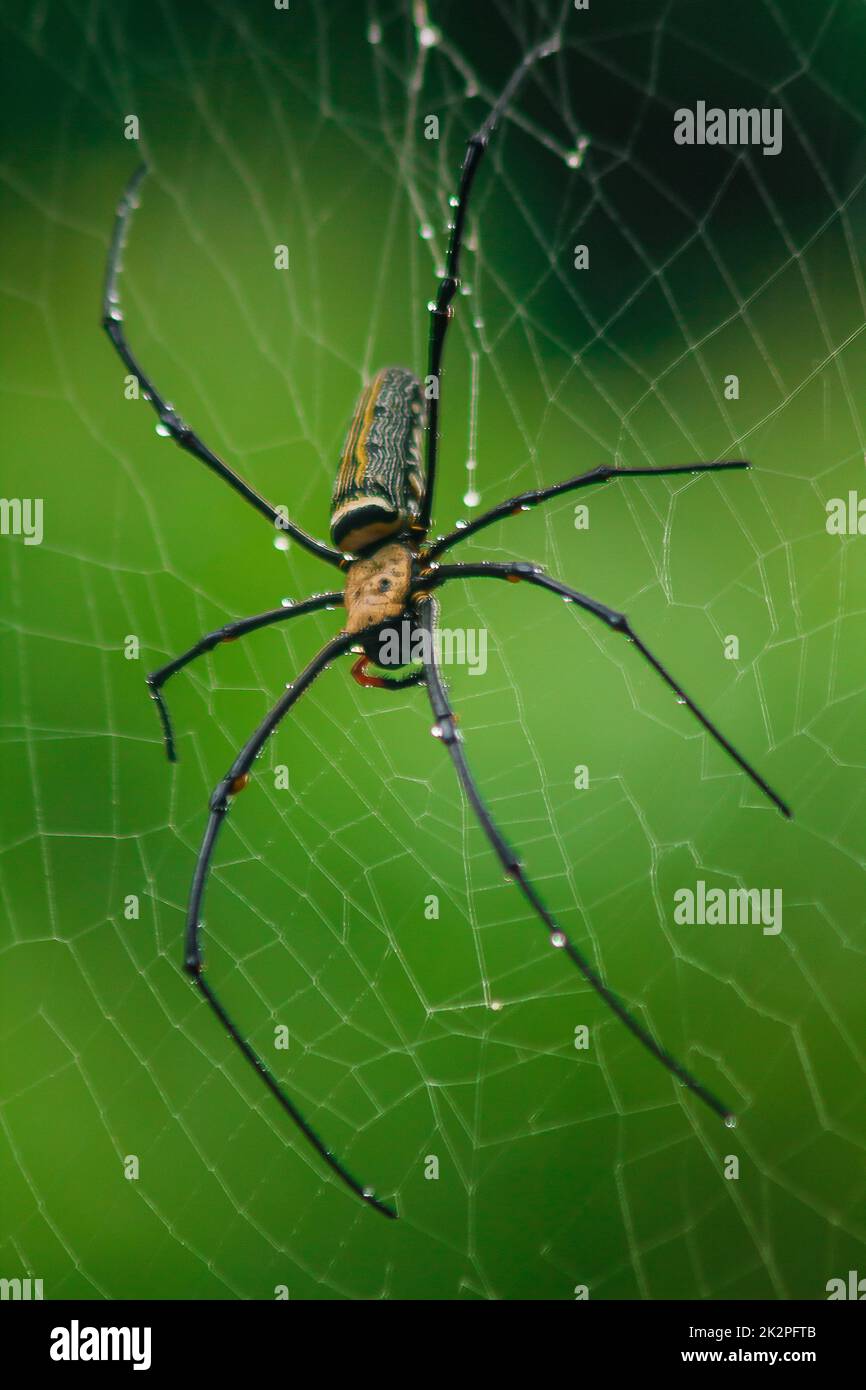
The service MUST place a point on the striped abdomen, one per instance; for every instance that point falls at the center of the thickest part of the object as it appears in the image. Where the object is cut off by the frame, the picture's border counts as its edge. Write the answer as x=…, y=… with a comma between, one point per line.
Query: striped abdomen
x=380, y=484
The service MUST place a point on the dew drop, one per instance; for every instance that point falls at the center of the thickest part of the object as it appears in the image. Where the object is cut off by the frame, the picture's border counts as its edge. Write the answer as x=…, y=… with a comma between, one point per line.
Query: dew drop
x=367, y=1192
x=287, y=603
x=374, y=33
x=454, y=201
x=281, y=542
x=426, y=231
x=471, y=465
x=730, y=1122
x=574, y=158
x=437, y=731
x=428, y=37
x=163, y=430
x=465, y=289
x=460, y=525
x=681, y=699
x=557, y=939
x=471, y=498
x=496, y=1006
x=431, y=305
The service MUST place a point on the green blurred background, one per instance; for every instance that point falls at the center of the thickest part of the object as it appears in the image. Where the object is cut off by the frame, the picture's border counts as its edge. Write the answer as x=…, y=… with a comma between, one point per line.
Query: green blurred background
x=557, y=1167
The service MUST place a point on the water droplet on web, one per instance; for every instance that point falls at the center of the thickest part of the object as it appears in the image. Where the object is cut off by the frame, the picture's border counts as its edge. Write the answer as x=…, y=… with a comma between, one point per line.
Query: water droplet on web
x=431, y=305
x=287, y=603
x=460, y=525
x=681, y=700
x=471, y=464
x=426, y=231
x=374, y=33
x=454, y=201
x=496, y=1006
x=281, y=542
x=730, y=1122
x=574, y=158
x=368, y=1192
x=471, y=498
x=437, y=731
x=163, y=430
x=465, y=289
x=428, y=37
x=471, y=90
x=557, y=939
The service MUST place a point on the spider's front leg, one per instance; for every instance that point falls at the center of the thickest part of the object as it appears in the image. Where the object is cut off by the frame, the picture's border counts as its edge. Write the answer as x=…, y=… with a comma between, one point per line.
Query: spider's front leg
x=446, y=729
x=228, y=633
x=228, y=787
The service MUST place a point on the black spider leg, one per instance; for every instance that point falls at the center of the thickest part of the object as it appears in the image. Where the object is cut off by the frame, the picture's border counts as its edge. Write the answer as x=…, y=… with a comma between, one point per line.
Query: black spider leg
x=181, y=433
x=525, y=500
x=446, y=729
x=233, y=782
x=533, y=574
x=228, y=633
x=440, y=308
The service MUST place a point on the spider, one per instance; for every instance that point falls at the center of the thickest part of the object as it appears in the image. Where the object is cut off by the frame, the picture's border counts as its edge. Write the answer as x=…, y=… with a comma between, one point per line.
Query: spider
x=380, y=520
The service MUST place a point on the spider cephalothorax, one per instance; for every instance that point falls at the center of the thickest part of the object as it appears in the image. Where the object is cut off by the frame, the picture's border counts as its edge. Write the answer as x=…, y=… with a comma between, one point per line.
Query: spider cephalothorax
x=381, y=598
x=378, y=586
x=381, y=512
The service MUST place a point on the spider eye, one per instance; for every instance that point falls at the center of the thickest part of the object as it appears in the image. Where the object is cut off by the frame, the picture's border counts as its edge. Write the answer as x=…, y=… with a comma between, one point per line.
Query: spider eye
x=384, y=585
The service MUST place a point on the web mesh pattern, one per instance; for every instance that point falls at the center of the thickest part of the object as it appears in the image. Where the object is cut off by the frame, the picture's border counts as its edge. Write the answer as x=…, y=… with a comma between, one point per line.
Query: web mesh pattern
x=431, y=1030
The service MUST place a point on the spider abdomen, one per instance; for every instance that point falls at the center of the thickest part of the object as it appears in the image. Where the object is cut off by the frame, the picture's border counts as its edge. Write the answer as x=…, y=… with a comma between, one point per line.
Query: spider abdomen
x=380, y=483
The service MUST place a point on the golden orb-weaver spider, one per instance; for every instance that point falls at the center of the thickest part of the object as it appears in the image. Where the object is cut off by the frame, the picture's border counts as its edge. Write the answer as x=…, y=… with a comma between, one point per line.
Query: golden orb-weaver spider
x=380, y=519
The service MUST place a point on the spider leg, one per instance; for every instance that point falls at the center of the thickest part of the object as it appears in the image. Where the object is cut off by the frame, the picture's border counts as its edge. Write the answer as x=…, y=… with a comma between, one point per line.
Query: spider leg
x=157, y=679
x=446, y=729
x=525, y=500
x=170, y=421
x=533, y=574
x=440, y=310
x=233, y=782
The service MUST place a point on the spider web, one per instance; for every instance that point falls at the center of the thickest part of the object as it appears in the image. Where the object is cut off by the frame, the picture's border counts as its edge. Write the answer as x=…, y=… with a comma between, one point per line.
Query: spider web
x=431, y=1030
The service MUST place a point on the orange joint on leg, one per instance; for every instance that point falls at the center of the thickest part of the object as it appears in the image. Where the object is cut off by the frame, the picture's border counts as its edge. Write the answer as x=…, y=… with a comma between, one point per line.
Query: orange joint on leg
x=514, y=578
x=239, y=783
x=359, y=674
